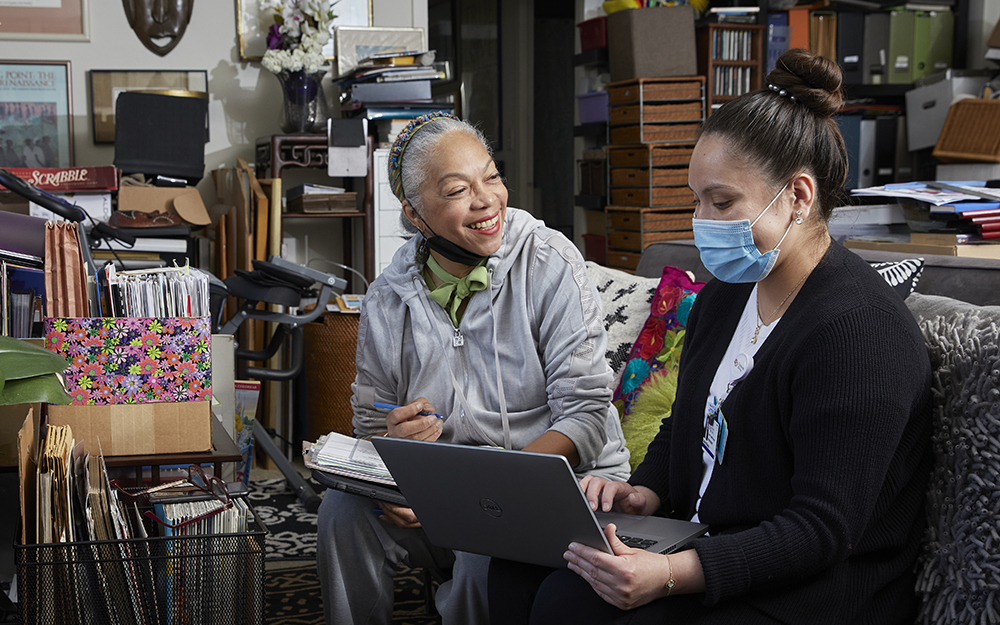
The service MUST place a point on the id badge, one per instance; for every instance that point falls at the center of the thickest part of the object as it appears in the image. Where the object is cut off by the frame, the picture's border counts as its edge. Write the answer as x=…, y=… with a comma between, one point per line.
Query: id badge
x=710, y=439
x=723, y=437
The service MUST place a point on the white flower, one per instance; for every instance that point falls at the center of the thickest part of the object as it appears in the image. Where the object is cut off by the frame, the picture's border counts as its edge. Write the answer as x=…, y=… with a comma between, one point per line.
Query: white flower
x=305, y=29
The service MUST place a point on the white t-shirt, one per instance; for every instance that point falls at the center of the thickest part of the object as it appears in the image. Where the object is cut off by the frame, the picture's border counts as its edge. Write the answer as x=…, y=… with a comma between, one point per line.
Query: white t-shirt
x=735, y=365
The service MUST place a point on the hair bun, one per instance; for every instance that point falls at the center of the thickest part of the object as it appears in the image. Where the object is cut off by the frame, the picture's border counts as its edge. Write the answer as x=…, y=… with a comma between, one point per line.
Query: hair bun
x=812, y=79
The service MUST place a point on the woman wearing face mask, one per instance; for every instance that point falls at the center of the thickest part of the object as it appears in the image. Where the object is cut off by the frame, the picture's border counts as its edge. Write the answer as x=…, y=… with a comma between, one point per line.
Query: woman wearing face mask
x=800, y=428
x=487, y=318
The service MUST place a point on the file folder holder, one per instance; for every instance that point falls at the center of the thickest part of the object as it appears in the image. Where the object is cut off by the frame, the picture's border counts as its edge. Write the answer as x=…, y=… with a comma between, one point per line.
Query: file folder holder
x=212, y=578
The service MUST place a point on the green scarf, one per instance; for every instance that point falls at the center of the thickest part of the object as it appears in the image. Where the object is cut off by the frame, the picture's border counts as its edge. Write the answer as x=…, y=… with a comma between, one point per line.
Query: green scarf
x=454, y=290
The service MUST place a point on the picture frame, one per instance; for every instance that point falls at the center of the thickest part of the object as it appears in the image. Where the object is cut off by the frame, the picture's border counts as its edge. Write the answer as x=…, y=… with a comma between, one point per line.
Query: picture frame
x=36, y=105
x=46, y=20
x=252, y=31
x=106, y=84
x=352, y=44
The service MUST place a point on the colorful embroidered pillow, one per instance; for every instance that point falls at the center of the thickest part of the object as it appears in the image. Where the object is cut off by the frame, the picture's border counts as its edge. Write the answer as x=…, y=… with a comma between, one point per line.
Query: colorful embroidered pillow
x=625, y=300
x=658, y=346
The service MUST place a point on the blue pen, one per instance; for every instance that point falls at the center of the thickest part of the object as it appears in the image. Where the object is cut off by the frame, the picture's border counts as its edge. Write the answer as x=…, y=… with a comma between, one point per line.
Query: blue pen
x=382, y=406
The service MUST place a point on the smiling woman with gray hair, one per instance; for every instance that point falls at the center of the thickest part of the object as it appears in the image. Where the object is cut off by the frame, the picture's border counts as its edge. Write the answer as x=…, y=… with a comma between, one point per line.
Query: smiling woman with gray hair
x=486, y=295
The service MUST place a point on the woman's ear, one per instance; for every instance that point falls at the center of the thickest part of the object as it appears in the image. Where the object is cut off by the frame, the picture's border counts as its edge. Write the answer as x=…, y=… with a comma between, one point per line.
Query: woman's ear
x=411, y=215
x=803, y=187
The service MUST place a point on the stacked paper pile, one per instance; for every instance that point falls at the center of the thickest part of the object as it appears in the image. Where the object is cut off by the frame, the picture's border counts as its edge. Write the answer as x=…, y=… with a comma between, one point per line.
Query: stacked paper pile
x=350, y=456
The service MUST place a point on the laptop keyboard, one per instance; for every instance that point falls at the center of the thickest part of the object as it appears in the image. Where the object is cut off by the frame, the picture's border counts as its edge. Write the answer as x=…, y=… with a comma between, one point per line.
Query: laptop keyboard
x=636, y=543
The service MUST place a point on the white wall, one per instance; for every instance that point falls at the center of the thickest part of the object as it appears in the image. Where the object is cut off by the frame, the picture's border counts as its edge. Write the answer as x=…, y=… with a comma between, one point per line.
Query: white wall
x=244, y=99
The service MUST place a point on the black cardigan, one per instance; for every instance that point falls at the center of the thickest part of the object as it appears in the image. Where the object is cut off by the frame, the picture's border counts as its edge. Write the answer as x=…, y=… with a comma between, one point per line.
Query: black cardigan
x=816, y=513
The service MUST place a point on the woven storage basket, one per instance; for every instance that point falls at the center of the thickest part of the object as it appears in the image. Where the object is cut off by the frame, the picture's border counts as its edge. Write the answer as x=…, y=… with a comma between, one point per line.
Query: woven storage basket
x=330, y=344
x=971, y=132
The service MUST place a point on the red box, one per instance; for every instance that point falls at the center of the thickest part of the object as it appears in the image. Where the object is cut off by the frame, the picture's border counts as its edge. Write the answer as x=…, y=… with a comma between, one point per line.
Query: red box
x=593, y=33
x=595, y=248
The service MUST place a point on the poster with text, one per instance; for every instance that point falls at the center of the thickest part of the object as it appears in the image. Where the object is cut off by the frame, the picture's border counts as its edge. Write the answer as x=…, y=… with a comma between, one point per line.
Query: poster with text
x=36, y=120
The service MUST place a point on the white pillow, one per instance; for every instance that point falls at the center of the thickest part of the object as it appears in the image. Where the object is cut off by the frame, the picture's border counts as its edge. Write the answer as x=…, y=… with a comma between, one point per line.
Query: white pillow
x=625, y=302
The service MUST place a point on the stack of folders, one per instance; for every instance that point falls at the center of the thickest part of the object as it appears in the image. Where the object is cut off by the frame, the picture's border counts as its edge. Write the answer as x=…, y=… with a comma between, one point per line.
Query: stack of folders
x=354, y=457
x=151, y=293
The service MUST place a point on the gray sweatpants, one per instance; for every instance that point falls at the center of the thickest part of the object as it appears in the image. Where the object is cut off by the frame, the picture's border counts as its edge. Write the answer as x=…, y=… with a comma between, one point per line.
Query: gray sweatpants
x=356, y=557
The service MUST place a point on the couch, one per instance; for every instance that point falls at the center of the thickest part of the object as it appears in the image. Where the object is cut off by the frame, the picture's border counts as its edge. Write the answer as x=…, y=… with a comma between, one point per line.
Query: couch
x=956, y=303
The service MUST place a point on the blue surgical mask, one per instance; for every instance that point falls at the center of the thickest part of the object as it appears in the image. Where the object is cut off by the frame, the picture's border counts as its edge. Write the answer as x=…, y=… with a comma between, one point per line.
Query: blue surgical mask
x=728, y=251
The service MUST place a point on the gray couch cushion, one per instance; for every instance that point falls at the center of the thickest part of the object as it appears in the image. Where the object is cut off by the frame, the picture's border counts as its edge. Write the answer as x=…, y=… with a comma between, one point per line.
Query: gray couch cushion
x=959, y=569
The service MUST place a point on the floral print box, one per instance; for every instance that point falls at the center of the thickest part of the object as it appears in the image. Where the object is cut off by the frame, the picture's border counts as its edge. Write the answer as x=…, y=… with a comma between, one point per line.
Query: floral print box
x=127, y=360
x=141, y=386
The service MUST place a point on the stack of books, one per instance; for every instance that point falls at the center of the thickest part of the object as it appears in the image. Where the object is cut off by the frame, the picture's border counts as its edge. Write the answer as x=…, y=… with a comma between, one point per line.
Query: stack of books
x=393, y=86
x=949, y=218
x=317, y=198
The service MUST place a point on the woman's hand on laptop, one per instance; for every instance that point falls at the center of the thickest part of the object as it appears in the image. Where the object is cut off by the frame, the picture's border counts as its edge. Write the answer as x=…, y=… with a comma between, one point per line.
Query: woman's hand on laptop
x=608, y=496
x=630, y=577
x=398, y=515
x=415, y=420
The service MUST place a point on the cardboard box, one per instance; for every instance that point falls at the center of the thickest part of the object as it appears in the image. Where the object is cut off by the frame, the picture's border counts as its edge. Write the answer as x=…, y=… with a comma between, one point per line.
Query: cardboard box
x=11, y=421
x=139, y=429
x=652, y=43
x=185, y=202
x=139, y=386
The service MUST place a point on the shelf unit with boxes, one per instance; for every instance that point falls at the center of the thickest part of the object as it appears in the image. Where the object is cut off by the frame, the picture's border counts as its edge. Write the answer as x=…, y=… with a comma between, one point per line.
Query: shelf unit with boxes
x=731, y=58
x=654, y=122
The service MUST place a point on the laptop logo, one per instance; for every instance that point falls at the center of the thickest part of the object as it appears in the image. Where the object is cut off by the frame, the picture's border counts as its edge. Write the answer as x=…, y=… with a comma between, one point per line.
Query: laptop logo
x=491, y=507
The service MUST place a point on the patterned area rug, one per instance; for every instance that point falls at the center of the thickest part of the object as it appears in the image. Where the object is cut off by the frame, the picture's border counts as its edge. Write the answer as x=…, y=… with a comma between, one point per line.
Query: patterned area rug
x=293, y=598
x=293, y=593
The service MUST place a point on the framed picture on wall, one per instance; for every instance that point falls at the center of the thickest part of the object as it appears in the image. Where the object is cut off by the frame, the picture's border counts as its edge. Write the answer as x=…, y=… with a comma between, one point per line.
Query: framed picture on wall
x=59, y=20
x=252, y=27
x=106, y=84
x=353, y=44
x=36, y=114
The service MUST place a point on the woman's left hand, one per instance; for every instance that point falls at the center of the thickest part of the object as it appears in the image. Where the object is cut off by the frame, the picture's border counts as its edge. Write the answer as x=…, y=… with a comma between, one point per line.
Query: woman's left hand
x=628, y=579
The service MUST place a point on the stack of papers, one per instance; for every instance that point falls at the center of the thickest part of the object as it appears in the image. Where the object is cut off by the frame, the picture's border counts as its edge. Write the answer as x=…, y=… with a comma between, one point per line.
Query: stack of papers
x=354, y=457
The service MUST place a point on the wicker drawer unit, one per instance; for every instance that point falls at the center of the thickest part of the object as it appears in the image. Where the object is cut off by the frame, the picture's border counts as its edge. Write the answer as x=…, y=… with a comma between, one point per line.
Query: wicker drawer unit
x=655, y=133
x=633, y=229
x=652, y=196
x=654, y=89
x=649, y=155
x=626, y=261
x=654, y=113
x=627, y=177
x=656, y=110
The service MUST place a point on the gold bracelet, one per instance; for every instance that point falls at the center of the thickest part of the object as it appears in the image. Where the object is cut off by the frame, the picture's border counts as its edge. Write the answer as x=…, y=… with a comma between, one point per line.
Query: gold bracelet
x=671, y=582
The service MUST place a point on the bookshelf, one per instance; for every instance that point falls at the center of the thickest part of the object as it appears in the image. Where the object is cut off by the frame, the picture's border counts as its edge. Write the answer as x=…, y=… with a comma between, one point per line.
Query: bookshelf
x=731, y=58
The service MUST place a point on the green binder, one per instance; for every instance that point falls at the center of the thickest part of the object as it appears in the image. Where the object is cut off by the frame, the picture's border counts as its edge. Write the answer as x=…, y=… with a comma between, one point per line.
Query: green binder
x=901, y=32
x=932, y=42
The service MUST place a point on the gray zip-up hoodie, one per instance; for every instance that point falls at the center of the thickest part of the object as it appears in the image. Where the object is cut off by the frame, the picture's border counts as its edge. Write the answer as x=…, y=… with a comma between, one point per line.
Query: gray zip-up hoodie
x=539, y=322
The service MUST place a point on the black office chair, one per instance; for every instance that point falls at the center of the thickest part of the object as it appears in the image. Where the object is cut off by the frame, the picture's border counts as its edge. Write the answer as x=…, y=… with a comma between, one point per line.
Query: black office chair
x=277, y=281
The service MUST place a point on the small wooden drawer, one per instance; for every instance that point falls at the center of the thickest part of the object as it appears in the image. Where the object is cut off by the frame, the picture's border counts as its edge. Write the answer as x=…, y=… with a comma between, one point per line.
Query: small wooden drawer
x=649, y=177
x=652, y=89
x=655, y=133
x=656, y=196
x=649, y=155
x=627, y=261
x=638, y=241
x=681, y=112
x=648, y=219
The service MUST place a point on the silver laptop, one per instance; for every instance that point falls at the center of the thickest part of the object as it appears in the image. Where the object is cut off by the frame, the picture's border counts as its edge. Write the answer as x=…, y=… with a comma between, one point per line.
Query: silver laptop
x=516, y=505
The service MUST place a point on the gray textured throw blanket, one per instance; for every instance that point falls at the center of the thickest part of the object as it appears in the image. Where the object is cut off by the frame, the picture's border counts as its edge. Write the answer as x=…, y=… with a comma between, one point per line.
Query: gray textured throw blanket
x=959, y=568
